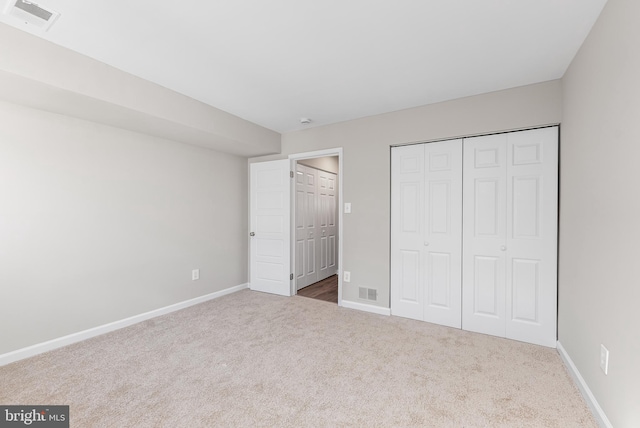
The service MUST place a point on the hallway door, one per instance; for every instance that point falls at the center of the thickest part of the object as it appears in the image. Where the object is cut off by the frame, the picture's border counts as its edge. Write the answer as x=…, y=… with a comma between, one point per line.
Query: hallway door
x=270, y=228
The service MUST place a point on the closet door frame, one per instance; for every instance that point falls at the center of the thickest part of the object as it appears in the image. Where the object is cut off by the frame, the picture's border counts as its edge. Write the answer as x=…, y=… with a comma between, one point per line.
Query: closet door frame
x=512, y=317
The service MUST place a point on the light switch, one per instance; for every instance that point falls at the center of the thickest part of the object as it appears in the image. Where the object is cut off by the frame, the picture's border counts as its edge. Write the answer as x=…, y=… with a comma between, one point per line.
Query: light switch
x=604, y=359
x=347, y=207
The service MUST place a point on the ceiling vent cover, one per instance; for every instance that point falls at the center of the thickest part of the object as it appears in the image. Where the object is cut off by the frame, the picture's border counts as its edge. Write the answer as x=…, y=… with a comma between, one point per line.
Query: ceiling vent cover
x=31, y=14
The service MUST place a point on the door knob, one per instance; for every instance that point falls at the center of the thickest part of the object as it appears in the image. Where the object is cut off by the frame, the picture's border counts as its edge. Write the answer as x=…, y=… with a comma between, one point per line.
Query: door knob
x=426, y=244
x=252, y=234
x=503, y=248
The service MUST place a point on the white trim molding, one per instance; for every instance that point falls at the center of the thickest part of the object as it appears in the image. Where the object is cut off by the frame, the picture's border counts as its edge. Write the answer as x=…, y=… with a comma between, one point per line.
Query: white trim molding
x=365, y=307
x=336, y=151
x=50, y=345
x=597, y=411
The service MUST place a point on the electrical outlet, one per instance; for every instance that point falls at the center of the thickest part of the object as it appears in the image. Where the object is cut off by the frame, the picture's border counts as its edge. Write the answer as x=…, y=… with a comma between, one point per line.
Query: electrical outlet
x=195, y=274
x=604, y=359
x=346, y=276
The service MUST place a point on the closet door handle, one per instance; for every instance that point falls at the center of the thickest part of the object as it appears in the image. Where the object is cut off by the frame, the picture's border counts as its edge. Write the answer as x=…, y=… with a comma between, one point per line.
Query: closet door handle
x=503, y=248
x=426, y=244
x=252, y=234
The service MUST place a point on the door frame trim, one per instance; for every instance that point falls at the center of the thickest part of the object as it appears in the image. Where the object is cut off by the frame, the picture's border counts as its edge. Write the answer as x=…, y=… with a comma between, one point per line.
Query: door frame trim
x=293, y=158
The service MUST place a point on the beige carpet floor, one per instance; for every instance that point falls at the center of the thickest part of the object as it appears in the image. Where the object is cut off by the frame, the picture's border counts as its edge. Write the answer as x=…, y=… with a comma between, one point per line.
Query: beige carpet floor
x=252, y=359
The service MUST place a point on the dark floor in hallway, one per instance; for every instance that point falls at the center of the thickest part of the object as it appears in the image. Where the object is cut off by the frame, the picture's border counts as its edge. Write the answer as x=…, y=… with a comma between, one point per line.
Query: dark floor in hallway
x=326, y=290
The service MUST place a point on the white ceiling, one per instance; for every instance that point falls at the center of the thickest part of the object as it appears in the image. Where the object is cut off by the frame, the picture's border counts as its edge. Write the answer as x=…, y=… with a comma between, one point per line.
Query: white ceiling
x=273, y=62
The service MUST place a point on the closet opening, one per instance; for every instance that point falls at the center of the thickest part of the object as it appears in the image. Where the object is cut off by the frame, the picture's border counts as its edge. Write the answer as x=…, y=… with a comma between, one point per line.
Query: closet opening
x=315, y=234
x=474, y=233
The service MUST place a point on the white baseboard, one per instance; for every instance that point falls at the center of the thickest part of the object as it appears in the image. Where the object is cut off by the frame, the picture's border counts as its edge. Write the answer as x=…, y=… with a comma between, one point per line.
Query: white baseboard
x=597, y=411
x=366, y=308
x=49, y=345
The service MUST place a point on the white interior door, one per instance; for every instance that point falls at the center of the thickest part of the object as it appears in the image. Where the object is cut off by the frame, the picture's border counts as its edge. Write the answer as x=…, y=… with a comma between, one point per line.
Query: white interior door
x=442, y=250
x=327, y=214
x=532, y=229
x=407, y=261
x=306, y=226
x=484, y=244
x=270, y=227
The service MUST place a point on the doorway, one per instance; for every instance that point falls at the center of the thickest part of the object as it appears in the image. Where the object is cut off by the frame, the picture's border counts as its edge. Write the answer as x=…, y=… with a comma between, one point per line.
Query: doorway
x=316, y=241
x=272, y=201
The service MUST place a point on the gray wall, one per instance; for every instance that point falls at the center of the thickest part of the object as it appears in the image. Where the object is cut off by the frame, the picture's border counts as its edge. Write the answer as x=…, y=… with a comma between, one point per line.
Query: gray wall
x=98, y=224
x=327, y=163
x=600, y=211
x=43, y=75
x=366, y=143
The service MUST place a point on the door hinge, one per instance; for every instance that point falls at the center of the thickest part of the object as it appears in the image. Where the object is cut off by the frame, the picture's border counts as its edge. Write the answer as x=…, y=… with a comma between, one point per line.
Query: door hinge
x=291, y=277
x=291, y=174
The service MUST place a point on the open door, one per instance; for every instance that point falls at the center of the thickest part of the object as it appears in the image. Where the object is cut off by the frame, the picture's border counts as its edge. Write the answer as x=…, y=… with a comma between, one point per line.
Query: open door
x=270, y=227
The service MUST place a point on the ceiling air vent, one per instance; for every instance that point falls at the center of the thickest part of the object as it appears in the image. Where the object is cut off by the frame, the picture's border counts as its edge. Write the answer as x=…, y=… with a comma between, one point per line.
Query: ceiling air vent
x=31, y=14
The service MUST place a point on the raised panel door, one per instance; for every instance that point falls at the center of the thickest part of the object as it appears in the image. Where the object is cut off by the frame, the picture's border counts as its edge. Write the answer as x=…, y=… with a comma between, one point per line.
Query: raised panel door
x=327, y=230
x=531, y=241
x=407, y=231
x=269, y=221
x=331, y=230
x=443, y=232
x=510, y=241
x=306, y=183
x=484, y=223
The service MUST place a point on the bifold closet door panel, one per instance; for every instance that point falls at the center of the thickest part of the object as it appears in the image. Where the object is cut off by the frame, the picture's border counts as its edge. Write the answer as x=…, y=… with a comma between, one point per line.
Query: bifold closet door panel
x=407, y=261
x=484, y=242
x=426, y=218
x=510, y=235
x=532, y=230
x=443, y=233
x=306, y=226
x=328, y=230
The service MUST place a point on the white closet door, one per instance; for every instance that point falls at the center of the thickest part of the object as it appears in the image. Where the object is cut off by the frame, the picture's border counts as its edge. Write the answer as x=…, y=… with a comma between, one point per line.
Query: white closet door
x=532, y=222
x=327, y=214
x=306, y=226
x=332, y=227
x=407, y=261
x=484, y=243
x=510, y=235
x=443, y=232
